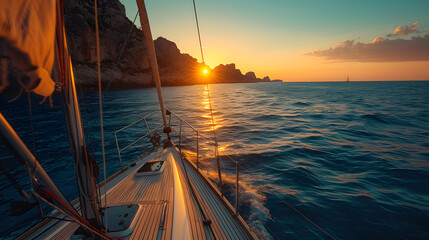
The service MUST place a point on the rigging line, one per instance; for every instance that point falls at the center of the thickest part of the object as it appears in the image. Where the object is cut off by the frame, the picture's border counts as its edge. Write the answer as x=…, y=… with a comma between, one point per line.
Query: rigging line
x=208, y=94
x=284, y=201
x=120, y=55
x=88, y=126
x=60, y=219
x=32, y=179
x=14, y=183
x=265, y=225
x=66, y=53
x=30, y=114
x=92, y=151
x=32, y=174
x=101, y=111
x=75, y=122
x=56, y=158
x=73, y=215
x=198, y=30
x=215, y=138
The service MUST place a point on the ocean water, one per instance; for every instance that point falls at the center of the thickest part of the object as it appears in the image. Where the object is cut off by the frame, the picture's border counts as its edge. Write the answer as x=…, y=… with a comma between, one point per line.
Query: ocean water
x=352, y=158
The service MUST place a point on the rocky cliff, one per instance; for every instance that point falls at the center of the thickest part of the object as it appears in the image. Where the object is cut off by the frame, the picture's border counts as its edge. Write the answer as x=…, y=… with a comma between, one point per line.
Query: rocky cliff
x=133, y=70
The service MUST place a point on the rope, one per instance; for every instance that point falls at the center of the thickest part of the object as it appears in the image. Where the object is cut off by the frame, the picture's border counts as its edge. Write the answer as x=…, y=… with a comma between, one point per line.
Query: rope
x=17, y=96
x=32, y=173
x=60, y=219
x=265, y=225
x=88, y=128
x=30, y=115
x=101, y=111
x=276, y=195
x=198, y=30
x=208, y=95
x=269, y=229
x=216, y=142
x=120, y=55
x=73, y=215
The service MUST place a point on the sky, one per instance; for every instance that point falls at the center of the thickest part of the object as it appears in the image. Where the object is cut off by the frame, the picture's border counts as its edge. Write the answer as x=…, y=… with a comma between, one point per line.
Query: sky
x=301, y=40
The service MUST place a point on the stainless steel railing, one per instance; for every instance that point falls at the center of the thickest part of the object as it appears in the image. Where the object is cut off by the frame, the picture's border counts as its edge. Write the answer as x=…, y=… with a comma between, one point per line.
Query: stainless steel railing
x=224, y=156
x=119, y=149
x=181, y=124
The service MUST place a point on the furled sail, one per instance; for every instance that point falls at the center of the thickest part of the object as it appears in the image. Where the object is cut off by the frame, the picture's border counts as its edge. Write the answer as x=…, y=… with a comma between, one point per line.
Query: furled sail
x=27, y=38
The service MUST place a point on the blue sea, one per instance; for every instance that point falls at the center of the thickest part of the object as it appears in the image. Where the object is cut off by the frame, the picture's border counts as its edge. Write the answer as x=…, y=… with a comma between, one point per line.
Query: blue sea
x=343, y=160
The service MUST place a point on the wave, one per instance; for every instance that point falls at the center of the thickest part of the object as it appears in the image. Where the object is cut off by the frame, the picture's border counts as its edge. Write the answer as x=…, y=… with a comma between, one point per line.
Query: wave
x=251, y=200
x=378, y=117
x=351, y=159
x=302, y=104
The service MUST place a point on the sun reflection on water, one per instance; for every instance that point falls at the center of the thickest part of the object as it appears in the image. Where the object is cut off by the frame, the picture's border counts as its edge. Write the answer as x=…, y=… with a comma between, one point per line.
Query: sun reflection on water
x=213, y=121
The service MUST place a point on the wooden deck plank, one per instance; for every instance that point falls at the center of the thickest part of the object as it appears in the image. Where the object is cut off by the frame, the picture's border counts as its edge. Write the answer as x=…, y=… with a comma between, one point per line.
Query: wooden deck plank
x=221, y=214
x=141, y=227
x=153, y=222
x=152, y=191
x=230, y=226
x=168, y=229
x=69, y=227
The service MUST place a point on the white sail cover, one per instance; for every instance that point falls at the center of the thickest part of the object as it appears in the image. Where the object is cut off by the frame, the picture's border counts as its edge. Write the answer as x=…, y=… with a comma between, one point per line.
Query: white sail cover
x=27, y=33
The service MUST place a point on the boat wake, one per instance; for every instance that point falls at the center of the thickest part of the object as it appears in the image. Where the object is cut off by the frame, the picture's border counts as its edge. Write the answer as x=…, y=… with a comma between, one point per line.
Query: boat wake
x=252, y=200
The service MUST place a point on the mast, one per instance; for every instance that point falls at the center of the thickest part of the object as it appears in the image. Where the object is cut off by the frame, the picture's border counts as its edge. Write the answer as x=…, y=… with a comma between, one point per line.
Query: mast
x=86, y=169
x=144, y=22
x=37, y=30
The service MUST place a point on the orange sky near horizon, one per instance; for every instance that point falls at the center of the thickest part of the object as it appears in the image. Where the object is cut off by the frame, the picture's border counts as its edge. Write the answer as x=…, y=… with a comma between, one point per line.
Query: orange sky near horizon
x=312, y=40
x=300, y=68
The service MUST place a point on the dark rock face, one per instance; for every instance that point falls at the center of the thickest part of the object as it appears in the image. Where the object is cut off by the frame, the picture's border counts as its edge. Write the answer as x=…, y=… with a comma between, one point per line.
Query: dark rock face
x=266, y=79
x=250, y=77
x=227, y=73
x=133, y=70
x=176, y=68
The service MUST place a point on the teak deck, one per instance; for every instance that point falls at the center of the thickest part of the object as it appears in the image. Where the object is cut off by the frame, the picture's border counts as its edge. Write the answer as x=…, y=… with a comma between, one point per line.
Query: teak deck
x=210, y=215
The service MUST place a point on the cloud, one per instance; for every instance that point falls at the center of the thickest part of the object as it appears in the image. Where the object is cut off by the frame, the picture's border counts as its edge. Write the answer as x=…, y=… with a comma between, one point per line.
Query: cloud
x=407, y=30
x=379, y=50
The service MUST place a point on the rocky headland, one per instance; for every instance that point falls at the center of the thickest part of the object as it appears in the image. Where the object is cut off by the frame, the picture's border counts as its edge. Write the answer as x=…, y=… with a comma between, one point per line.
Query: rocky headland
x=133, y=70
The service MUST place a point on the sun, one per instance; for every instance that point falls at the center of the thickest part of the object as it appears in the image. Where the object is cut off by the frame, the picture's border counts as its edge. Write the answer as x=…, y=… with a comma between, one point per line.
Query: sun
x=205, y=71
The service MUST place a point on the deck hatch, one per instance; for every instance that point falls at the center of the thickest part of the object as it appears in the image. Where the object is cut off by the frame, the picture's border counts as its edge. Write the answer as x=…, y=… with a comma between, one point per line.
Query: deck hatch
x=151, y=168
x=122, y=219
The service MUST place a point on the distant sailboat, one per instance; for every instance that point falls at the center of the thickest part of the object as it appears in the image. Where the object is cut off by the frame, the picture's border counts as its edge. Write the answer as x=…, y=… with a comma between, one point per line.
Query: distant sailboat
x=348, y=79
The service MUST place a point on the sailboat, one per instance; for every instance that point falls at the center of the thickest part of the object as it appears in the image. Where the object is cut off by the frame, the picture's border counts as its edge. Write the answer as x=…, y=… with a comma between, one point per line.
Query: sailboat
x=348, y=79
x=161, y=196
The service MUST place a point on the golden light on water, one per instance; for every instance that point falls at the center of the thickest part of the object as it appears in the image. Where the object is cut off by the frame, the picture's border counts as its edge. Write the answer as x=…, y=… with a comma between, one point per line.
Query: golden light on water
x=207, y=115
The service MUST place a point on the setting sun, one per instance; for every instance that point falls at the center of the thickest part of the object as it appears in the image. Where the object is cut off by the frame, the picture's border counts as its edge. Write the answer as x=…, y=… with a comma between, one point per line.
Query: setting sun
x=214, y=119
